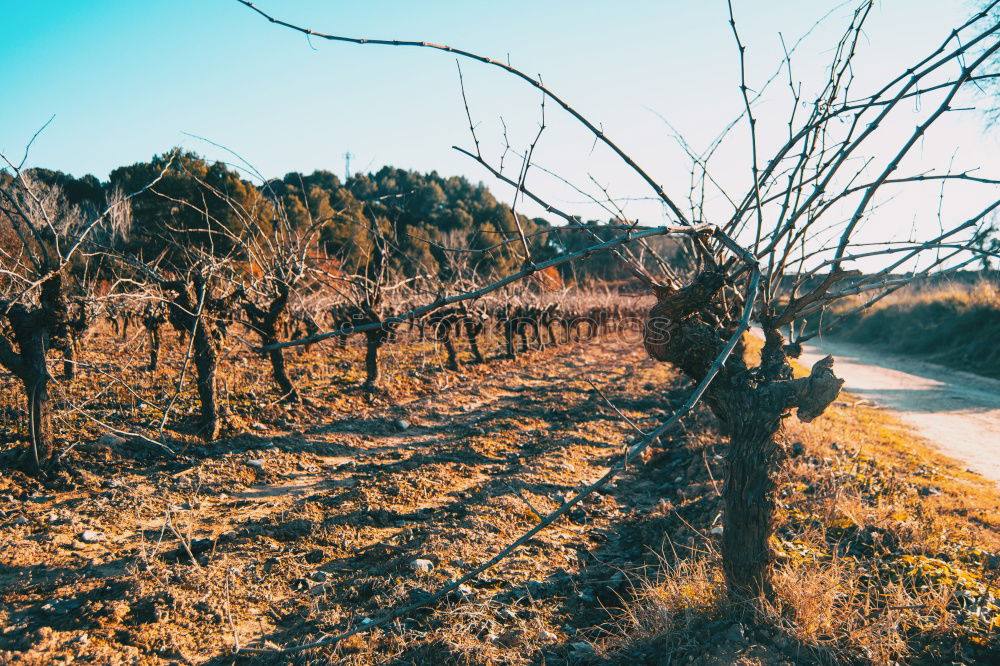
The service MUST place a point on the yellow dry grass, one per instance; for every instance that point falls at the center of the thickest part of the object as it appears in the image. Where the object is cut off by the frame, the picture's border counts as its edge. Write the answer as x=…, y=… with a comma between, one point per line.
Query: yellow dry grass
x=953, y=323
x=887, y=552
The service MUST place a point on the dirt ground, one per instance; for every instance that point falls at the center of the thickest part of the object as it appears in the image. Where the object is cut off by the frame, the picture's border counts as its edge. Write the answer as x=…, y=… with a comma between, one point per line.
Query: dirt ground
x=312, y=522
x=309, y=521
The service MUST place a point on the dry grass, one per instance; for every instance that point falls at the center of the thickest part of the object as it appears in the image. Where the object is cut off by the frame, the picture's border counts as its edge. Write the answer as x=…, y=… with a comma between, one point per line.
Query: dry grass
x=952, y=323
x=887, y=552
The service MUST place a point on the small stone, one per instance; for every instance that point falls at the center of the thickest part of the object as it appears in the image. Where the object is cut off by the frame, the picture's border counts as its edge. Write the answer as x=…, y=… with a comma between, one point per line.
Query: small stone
x=587, y=597
x=512, y=638
x=548, y=637
x=421, y=565
x=258, y=426
x=735, y=634
x=256, y=463
x=91, y=536
x=617, y=579
x=582, y=647
x=82, y=639
x=314, y=556
x=402, y=425
x=111, y=440
x=835, y=446
x=536, y=587
x=319, y=576
x=717, y=530
x=798, y=449
x=20, y=520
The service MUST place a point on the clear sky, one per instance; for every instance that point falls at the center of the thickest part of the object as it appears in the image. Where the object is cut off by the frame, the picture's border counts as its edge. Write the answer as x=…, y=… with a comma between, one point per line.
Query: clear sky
x=126, y=79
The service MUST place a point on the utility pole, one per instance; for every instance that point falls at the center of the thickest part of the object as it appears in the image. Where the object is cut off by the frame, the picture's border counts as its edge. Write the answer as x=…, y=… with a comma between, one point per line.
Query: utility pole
x=347, y=166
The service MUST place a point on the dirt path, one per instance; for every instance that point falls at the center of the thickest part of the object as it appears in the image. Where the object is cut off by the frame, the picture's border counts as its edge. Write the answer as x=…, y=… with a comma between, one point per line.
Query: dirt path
x=957, y=411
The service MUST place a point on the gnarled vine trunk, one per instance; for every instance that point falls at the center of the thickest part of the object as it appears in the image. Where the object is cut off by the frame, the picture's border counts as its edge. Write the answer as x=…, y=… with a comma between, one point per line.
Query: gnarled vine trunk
x=748, y=499
x=373, y=342
x=265, y=323
x=193, y=311
x=689, y=328
x=35, y=379
x=280, y=373
x=206, y=362
x=153, y=332
x=69, y=359
x=36, y=329
x=152, y=319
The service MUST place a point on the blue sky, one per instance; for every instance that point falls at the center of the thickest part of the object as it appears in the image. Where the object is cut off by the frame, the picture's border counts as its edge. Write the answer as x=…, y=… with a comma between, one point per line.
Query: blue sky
x=127, y=79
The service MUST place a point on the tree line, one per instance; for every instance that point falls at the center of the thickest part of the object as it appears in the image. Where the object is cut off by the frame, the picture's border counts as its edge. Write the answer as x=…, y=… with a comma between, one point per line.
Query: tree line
x=423, y=215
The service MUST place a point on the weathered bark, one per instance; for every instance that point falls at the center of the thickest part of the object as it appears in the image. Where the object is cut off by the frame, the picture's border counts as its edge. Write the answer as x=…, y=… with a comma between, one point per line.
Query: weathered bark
x=40, y=432
x=450, y=348
x=266, y=323
x=472, y=332
x=748, y=499
x=206, y=362
x=508, y=334
x=153, y=331
x=755, y=459
x=69, y=359
x=35, y=379
x=73, y=325
x=373, y=342
x=280, y=373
